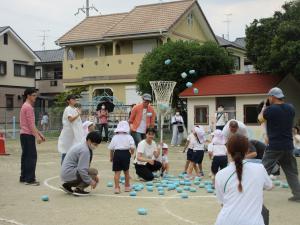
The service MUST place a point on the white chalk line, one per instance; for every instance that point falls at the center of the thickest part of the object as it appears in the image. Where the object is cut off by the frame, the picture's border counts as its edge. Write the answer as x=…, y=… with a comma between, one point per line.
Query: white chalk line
x=10, y=221
x=46, y=183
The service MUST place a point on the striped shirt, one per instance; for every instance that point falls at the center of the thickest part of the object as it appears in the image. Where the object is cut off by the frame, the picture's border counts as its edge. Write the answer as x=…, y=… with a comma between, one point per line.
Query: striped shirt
x=27, y=119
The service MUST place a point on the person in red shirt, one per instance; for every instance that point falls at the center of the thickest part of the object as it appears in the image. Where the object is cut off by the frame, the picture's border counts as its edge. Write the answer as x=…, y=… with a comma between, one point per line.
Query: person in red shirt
x=28, y=134
x=103, y=121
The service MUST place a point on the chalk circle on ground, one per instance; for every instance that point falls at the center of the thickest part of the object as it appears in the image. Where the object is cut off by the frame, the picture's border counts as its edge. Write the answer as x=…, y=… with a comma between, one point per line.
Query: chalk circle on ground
x=46, y=183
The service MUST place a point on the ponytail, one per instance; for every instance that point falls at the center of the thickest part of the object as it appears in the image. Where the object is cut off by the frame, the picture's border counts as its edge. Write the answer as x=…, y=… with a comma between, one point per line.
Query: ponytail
x=237, y=146
x=238, y=161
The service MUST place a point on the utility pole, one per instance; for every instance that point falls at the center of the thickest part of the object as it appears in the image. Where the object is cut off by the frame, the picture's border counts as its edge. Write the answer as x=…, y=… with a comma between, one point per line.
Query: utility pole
x=86, y=9
x=227, y=21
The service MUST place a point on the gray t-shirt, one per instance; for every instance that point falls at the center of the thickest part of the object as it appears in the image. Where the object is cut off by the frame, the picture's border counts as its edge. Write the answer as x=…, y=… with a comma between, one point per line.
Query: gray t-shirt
x=77, y=161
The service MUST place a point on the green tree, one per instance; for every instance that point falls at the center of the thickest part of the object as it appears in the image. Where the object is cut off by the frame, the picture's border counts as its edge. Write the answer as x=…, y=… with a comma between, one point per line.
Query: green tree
x=273, y=44
x=205, y=59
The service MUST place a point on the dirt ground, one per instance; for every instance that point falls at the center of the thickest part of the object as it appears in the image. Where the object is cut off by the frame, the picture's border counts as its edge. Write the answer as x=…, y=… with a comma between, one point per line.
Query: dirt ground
x=21, y=204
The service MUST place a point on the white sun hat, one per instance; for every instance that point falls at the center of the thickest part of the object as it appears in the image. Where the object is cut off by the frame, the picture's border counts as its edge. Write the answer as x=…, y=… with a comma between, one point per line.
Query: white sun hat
x=123, y=127
x=218, y=138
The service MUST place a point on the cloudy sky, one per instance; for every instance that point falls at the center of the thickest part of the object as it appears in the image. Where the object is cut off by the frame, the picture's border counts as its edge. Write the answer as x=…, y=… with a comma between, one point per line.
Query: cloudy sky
x=31, y=18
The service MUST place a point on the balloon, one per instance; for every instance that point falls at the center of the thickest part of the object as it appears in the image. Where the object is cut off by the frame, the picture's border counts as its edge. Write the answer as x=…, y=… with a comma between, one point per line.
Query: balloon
x=192, y=72
x=189, y=84
x=184, y=75
x=196, y=91
x=167, y=61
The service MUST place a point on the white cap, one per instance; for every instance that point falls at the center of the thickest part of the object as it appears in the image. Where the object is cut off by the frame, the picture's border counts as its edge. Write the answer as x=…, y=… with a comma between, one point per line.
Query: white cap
x=165, y=145
x=276, y=92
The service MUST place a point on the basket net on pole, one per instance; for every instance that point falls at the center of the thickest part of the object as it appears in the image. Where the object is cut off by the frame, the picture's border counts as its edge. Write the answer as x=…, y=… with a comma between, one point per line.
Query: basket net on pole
x=163, y=91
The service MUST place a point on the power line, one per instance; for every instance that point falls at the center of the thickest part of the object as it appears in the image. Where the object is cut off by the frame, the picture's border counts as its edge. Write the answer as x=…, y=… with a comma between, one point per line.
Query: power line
x=44, y=36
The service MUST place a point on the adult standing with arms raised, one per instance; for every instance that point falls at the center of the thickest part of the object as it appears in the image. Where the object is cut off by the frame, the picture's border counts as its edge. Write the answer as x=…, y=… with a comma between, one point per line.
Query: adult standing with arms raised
x=28, y=134
x=72, y=132
x=280, y=117
x=142, y=117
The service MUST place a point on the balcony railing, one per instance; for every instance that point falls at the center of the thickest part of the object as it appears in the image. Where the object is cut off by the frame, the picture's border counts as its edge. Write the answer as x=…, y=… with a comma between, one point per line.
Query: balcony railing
x=52, y=75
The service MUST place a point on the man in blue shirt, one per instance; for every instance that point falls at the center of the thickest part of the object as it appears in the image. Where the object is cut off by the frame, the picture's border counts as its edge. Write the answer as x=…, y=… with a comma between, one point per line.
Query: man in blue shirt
x=280, y=117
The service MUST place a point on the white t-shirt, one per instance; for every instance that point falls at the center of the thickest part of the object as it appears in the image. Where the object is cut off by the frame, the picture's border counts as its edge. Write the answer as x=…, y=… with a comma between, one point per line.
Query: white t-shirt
x=196, y=145
x=45, y=119
x=176, y=119
x=190, y=138
x=222, y=118
x=72, y=132
x=242, y=130
x=121, y=142
x=143, y=125
x=297, y=141
x=241, y=208
x=217, y=150
x=146, y=150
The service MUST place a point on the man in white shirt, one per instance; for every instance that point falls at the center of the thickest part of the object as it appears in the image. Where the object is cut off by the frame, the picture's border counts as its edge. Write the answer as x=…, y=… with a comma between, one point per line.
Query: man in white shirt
x=234, y=127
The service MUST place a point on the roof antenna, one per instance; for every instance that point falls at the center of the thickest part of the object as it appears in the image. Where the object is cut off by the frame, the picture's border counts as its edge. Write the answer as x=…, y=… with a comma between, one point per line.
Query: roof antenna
x=228, y=23
x=44, y=36
x=86, y=9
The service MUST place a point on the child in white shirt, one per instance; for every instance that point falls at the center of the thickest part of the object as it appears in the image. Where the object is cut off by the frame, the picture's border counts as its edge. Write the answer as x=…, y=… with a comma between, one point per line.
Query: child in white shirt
x=165, y=161
x=121, y=148
x=217, y=151
x=198, y=151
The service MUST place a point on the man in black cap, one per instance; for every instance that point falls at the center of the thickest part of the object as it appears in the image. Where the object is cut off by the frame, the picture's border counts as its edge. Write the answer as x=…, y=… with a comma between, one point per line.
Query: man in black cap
x=280, y=116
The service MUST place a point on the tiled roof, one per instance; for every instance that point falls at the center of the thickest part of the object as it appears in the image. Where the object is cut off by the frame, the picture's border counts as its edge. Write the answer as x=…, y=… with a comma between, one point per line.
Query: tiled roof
x=92, y=28
x=223, y=42
x=150, y=18
x=142, y=19
x=55, y=55
x=233, y=84
x=3, y=28
x=241, y=41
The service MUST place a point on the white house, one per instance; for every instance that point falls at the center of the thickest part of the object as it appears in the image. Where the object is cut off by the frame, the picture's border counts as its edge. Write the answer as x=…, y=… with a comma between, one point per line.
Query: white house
x=240, y=95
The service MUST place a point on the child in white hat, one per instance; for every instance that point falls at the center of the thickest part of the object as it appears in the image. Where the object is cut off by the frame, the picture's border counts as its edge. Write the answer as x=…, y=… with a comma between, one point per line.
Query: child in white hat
x=88, y=127
x=165, y=160
x=198, y=151
x=121, y=148
x=217, y=151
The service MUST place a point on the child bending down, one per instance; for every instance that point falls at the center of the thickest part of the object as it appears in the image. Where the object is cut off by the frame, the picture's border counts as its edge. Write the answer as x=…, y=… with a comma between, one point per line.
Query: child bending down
x=165, y=161
x=121, y=148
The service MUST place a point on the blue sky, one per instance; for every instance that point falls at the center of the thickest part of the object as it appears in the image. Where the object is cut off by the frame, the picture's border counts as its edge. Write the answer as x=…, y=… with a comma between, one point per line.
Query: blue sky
x=30, y=17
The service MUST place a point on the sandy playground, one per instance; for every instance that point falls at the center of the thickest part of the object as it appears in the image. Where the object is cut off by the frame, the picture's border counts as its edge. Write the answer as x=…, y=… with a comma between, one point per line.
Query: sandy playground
x=21, y=204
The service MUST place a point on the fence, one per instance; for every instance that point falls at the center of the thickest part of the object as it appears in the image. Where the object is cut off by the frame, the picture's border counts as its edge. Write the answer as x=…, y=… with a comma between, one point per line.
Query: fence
x=10, y=122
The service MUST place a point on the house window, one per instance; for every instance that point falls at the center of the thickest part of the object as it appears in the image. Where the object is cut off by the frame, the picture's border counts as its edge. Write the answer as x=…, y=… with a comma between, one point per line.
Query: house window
x=2, y=67
x=250, y=114
x=9, y=102
x=190, y=19
x=53, y=83
x=201, y=115
x=21, y=70
x=5, y=39
x=236, y=62
x=38, y=74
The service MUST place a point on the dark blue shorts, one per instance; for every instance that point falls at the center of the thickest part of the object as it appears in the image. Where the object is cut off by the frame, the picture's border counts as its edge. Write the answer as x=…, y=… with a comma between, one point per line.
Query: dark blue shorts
x=197, y=156
x=219, y=162
x=121, y=160
x=189, y=154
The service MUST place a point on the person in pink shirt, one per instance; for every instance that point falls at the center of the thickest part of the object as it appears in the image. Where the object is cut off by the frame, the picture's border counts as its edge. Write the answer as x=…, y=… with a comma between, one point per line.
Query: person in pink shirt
x=103, y=121
x=28, y=135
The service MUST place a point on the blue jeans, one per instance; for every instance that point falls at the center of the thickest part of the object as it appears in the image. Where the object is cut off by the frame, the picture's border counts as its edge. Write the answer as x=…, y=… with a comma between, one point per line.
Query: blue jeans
x=137, y=137
x=28, y=158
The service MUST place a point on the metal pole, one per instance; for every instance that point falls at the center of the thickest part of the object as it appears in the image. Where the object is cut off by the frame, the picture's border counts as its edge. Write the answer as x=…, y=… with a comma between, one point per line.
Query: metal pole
x=14, y=128
x=87, y=8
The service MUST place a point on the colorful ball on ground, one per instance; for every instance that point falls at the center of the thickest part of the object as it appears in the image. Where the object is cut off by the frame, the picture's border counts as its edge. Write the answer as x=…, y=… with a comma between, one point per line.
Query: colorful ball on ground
x=150, y=188
x=142, y=211
x=109, y=184
x=196, y=91
x=161, y=192
x=184, y=195
x=149, y=183
x=277, y=182
x=45, y=198
x=284, y=185
x=183, y=75
x=189, y=84
x=186, y=188
x=209, y=190
x=168, y=61
x=192, y=189
x=179, y=190
x=132, y=193
x=201, y=185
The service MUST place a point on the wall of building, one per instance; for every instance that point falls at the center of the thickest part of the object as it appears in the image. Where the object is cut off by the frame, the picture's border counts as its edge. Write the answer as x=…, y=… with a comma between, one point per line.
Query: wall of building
x=10, y=52
x=143, y=46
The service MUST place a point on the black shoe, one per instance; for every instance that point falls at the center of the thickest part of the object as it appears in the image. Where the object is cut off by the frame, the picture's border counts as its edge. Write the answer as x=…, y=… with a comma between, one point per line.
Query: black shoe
x=32, y=183
x=294, y=199
x=66, y=188
x=79, y=192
